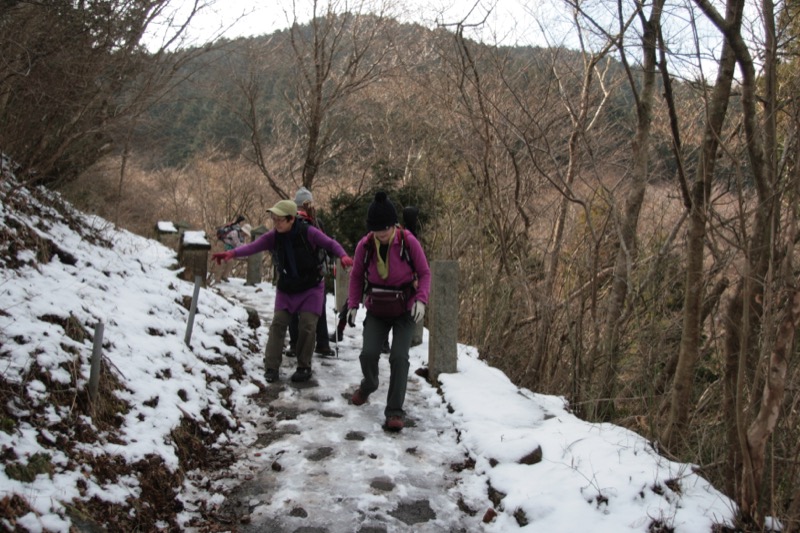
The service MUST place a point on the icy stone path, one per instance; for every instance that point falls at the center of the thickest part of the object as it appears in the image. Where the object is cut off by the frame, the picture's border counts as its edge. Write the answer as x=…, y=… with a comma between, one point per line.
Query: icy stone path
x=320, y=464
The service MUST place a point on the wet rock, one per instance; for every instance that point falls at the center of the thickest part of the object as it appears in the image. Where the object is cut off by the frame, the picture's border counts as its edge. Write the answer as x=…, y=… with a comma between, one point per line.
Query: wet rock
x=253, y=320
x=382, y=483
x=532, y=458
x=495, y=496
x=416, y=512
x=320, y=453
x=299, y=512
x=521, y=517
x=372, y=529
x=274, y=435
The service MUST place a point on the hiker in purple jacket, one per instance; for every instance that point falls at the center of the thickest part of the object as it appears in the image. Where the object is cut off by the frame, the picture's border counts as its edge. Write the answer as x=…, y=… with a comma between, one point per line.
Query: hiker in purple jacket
x=294, y=245
x=391, y=275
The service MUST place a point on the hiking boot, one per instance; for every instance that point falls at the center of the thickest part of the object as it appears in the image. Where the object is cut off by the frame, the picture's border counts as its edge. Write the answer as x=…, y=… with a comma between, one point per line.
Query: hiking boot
x=272, y=374
x=290, y=352
x=324, y=351
x=303, y=373
x=358, y=397
x=394, y=423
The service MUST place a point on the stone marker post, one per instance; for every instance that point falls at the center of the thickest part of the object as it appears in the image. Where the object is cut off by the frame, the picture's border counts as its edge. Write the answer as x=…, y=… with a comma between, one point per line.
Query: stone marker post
x=254, y=261
x=443, y=319
x=193, y=255
x=182, y=227
x=97, y=356
x=167, y=234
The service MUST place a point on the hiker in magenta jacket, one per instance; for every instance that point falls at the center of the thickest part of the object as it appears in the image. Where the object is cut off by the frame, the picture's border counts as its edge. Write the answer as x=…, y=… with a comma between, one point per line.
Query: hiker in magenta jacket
x=300, y=288
x=391, y=275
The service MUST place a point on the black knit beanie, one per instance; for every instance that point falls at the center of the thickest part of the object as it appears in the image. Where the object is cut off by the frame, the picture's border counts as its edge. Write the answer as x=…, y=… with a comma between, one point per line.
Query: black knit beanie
x=381, y=214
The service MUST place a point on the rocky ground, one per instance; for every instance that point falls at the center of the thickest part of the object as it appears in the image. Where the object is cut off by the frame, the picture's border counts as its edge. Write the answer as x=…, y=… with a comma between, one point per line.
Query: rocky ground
x=321, y=464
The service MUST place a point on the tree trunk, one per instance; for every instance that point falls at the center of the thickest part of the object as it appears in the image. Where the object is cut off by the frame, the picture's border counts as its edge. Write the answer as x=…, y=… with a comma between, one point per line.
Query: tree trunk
x=771, y=401
x=743, y=319
x=627, y=245
x=680, y=397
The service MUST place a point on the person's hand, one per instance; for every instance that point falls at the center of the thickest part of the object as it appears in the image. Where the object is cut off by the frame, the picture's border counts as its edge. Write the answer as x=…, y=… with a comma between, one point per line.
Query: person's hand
x=418, y=311
x=351, y=316
x=347, y=261
x=222, y=256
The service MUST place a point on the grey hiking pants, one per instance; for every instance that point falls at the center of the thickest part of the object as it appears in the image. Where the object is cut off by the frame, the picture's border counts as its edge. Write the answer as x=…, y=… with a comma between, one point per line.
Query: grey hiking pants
x=306, y=326
x=376, y=331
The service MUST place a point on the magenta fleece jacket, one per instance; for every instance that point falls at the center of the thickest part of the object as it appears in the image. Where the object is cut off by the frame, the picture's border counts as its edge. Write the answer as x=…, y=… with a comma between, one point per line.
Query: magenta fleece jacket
x=400, y=272
x=310, y=300
x=266, y=243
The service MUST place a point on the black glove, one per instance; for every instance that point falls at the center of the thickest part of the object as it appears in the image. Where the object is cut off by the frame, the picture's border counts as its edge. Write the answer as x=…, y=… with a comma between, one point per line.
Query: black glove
x=351, y=316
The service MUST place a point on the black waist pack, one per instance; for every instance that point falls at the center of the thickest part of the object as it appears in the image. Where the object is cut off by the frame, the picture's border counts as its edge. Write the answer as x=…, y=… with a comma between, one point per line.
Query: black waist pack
x=387, y=303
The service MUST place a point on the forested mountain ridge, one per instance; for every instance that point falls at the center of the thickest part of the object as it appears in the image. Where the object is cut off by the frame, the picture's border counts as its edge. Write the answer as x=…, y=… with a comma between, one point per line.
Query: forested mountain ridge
x=207, y=107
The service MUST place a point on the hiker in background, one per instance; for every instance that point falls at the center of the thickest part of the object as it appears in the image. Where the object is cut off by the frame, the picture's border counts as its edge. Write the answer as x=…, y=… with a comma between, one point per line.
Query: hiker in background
x=306, y=211
x=391, y=274
x=300, y=287
x=230, y=235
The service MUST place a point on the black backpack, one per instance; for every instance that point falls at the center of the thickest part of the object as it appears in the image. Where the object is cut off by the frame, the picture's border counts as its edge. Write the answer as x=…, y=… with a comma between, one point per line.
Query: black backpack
x=222, y=231
x=305, y=280
x=411, y=219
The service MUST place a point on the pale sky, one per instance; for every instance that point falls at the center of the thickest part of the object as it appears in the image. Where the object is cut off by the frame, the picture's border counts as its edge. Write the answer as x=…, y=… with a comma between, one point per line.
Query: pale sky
x=503, y=22
x=509, y=22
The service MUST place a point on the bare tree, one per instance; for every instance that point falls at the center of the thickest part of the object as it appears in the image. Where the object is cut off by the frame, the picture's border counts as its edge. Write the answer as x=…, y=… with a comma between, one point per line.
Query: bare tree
x=698, y=200
x=273, y=143
x=340, y=52
x=642, y=84
x=69, y=78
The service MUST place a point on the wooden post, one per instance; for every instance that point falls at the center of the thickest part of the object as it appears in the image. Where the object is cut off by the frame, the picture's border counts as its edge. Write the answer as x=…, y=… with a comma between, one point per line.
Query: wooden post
x=254, y=261
x=443, y=319
x=192, y=310
x=97, y=355
x=193, y=255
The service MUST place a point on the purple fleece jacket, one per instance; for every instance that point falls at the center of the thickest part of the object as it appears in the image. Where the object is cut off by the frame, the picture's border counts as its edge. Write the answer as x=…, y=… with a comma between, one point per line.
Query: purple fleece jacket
x=310, y=300
x=400, y=272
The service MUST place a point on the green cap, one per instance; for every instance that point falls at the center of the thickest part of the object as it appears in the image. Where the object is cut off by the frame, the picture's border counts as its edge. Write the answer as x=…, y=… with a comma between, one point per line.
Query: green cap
x=284, y=208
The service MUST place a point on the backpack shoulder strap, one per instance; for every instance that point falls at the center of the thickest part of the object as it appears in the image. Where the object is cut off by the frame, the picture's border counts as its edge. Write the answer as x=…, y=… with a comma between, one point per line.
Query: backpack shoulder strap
x=302, y=232
x=404, y=253
x=319, y=253
x=369, y=249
